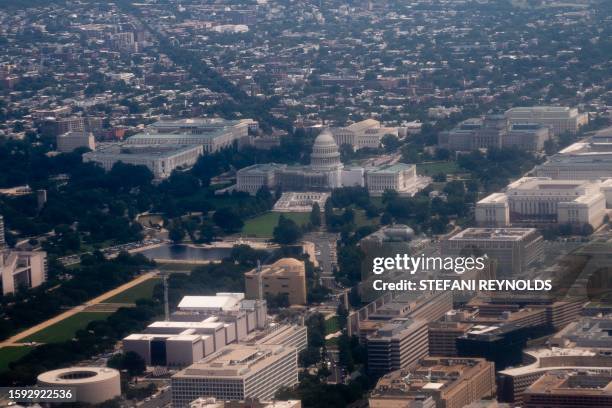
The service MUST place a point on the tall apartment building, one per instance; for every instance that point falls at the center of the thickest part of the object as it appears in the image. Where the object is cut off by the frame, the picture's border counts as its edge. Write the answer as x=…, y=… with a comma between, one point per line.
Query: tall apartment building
x=237, y=372
x=287, y=276
x=398, y=344
x=162, y=160
x=539, y=200
x=68, y=142
x=514, y=249
x=560, y=119
x=450, y=382
x=22, y=269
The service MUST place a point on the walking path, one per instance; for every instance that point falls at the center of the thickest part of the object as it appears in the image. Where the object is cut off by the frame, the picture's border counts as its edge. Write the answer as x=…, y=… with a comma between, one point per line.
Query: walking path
x=14, y=340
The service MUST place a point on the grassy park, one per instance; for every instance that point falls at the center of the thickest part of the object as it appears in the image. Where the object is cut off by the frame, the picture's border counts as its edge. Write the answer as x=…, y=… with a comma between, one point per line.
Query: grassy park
x=143, y=290
x=65, y=329
x=263, y=226
x=331, y=325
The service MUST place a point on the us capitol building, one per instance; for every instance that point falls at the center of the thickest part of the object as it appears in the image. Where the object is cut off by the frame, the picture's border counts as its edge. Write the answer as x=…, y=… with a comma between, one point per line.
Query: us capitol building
x=327, y=172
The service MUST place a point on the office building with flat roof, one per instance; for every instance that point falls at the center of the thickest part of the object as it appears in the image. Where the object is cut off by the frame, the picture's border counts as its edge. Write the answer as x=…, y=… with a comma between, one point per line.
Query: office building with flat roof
x=585, y=160
x=514, y=249
x=397, y=344
x=513, y=381
x=200, y=326
x=68, y=142
x=452, y=382
x=587, y=332
x=211, y=402
x=21, y=269
x=570, y=389
x=285, y=277
x=475, y=133
x=443, y=337
x=560, y=119
x=212, y=134
x=237, y=372
x=527, y=136
x=541, y=201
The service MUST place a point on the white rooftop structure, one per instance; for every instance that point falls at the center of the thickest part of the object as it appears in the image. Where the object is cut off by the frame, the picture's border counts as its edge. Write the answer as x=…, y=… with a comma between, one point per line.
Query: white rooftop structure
x=219, y=302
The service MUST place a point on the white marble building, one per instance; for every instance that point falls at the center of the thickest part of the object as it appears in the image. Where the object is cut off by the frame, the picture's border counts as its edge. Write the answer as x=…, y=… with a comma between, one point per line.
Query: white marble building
x=560, y=119
x=327, y=172
x=367, y=133
x=162, y=160
x=541, y=200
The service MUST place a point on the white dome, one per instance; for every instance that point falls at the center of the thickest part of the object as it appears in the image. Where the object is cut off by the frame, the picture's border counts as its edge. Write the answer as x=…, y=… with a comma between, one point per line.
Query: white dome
x=325, y=154
x=324, y=139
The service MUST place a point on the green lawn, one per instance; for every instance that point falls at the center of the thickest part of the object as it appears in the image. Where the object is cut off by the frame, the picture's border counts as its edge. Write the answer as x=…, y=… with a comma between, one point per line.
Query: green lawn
x=263, y=226
x=331, y=325
x=361, y=220
x=10, y=354
x=431, y=169
x=143, y=290
x=66, y=329
x=333, y=342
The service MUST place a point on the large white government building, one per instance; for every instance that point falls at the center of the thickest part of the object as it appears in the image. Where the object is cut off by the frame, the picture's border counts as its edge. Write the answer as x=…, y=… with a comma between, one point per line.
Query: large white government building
x=560, y=119
x=495, y=132
x=365, y=134
x=162, y=160
x=542, y=200
x=327, y=172
x=585, y=160
x=20, y=269
x=212, y=134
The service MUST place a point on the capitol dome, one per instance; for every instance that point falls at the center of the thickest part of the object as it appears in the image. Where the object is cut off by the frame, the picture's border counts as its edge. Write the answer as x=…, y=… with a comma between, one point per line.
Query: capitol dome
x=325, y=139
x=325, y=154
